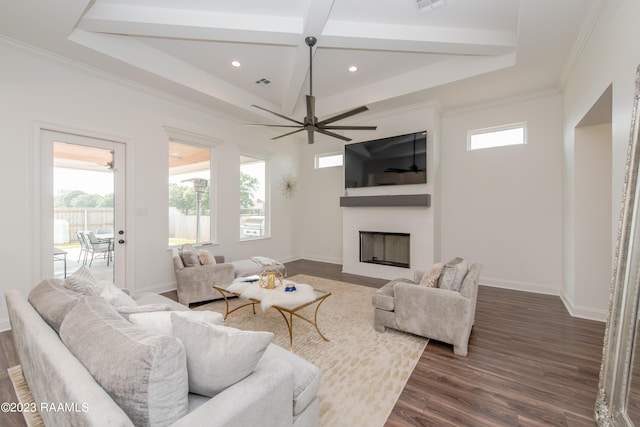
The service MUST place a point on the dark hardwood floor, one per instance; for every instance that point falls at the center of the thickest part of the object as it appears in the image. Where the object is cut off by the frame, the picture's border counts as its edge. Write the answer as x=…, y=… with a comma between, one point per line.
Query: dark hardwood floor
x=530, y=364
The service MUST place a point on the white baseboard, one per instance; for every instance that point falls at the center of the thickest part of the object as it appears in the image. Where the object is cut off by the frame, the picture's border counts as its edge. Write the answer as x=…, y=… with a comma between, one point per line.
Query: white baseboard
x=583, y=312
x=574, y=310
x=329, y=260
x=158, y=289
x=520, y=286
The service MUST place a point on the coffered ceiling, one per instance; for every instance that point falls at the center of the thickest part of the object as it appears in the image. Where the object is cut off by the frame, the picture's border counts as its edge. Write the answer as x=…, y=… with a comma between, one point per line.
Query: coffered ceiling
x=462, y=52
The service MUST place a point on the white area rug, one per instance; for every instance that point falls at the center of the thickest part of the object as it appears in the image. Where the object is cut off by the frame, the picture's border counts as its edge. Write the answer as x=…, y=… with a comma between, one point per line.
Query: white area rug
x=363, y=371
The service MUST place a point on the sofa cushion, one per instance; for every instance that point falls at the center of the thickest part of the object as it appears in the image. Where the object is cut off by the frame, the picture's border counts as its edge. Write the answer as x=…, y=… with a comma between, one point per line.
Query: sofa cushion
x=306, y=376
x=218, y=356
x=53, y=301
x=177, y=260
x=83, y=281
x=144, y=298
x=117, y=297
x=453, y=273
x=431, y=277
x=144, y=372
x=383, y=297
x=160, y=321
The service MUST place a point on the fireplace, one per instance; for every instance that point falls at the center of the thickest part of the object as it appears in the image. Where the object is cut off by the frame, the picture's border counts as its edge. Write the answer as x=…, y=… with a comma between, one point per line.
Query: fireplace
x=385, y=248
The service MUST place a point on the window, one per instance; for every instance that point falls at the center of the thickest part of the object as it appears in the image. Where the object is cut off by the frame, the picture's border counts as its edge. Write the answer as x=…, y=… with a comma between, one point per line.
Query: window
x=189, y=194
x=329, y=160
x=498, y=136
x=254, y=221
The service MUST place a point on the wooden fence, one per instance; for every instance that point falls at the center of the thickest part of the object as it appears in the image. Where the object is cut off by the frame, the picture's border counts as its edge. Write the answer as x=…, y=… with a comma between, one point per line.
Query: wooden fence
x=67, y=221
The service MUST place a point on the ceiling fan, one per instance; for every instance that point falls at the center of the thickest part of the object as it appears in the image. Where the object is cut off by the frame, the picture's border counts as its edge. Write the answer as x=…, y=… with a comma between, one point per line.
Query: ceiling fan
x=310, y=122
x=413, y=168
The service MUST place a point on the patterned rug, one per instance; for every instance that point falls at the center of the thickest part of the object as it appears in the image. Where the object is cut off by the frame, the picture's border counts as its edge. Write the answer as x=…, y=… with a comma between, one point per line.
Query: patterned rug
x=363, y=371
x=25, y=399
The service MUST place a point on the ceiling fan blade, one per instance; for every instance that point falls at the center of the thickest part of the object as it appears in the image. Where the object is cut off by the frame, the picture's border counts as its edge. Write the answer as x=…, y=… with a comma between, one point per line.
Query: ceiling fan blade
x=310, y=135
x=343, y=115
x=311, y=110
x=277, y=114
x=273, y=126
x=351, y=127
x=333, y=134
x=287, y=134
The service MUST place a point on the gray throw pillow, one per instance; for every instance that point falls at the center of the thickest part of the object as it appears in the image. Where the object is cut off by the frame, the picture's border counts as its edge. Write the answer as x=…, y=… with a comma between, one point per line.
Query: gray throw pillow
x=83, y=281
x=53, y=301
x=453, y=274
x=189, y=256
x=218, y=356
x=145, y=373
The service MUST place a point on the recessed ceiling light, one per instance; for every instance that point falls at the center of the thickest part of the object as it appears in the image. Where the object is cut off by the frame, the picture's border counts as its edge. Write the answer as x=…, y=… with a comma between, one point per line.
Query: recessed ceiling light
x=235, y=63
x=353, y=68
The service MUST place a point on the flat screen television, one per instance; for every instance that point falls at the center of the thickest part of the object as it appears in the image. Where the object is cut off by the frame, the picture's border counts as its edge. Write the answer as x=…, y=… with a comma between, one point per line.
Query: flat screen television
x=396, y=160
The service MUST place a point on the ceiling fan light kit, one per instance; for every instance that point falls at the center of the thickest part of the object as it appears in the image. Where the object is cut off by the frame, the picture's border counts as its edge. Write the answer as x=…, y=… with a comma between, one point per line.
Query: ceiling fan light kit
x=310, y=122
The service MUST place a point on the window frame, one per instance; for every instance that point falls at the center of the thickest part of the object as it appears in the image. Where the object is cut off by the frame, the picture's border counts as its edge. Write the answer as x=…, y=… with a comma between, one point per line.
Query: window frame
x=202, y=141
x=266, y=159
x=320, y=156
x=496, y=129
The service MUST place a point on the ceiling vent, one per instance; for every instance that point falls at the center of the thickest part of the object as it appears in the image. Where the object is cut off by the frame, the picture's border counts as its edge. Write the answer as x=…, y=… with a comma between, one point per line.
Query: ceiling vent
x=263, y=81
x=425, y=6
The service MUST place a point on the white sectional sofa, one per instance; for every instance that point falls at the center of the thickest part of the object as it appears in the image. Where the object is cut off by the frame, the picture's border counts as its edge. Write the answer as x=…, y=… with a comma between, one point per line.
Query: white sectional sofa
x=83, y=352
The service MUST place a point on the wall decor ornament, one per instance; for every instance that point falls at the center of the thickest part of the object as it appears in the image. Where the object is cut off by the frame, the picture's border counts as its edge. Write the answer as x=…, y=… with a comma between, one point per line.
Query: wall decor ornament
x=288, y=186
x=618, y=398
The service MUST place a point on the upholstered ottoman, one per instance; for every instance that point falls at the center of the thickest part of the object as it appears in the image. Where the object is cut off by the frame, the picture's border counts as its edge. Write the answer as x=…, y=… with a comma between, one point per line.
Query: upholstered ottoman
x=256, y=265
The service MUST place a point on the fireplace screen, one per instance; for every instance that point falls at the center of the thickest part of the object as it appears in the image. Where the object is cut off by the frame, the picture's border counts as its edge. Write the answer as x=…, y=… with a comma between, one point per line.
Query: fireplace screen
x=385, y=248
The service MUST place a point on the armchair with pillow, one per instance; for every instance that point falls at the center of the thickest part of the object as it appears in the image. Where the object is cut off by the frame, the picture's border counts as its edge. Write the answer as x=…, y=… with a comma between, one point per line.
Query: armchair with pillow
x=439, y=304
x=197, y=272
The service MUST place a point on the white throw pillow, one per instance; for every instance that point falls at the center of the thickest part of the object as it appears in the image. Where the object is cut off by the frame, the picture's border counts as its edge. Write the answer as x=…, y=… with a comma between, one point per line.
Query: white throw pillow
x=431, y=276
x=160, y=321
x=218, y=356
x=83, y=281
x=117, y=297
x=206, y=258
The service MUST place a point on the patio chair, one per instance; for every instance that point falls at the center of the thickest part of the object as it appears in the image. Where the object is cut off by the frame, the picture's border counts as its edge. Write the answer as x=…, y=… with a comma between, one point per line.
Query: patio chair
x=83, y=246
x=96, y=247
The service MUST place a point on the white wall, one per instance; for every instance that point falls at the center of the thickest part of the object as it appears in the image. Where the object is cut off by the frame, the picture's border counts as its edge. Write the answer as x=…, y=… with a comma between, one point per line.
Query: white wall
x=327, y=232
x=502, y=207
x=319, y=220
x=592, y=193
x=609, y=57
x=324, y=229
x=39, y=89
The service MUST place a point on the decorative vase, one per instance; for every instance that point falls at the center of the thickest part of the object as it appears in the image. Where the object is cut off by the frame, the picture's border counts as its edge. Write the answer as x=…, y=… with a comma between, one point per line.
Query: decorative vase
x=270, y=279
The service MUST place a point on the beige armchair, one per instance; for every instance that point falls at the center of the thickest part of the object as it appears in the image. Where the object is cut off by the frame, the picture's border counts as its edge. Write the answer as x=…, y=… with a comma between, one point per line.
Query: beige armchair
x=441, y=314
x=194, y=283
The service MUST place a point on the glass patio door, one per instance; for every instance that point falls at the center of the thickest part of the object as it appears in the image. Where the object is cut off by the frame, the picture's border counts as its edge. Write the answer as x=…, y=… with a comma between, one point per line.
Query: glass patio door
x=82, y=206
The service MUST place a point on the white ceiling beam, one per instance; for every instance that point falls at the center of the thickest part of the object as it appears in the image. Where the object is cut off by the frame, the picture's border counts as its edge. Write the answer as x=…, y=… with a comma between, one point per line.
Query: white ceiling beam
x=315, y=19
x=191, y=24
x=405, y=38
x=143, y=56
x=417, y=80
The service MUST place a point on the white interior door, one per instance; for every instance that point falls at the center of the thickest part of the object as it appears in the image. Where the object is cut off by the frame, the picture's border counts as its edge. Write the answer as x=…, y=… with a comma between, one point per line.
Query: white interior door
x=82, y=189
